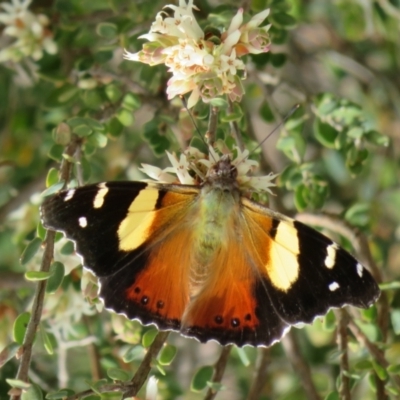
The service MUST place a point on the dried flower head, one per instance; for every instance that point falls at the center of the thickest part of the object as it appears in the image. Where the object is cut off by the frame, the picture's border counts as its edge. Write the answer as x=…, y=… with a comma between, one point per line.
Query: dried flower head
x=207, y=64
x=192, y=167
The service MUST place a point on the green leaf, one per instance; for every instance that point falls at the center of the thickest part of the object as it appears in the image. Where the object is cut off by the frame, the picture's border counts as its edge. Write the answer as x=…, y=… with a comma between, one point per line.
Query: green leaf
x=57, y=271
x=355, y=133
x=329, y=322
x=300, y=197
x=60, y=394
x=167, y=354
x=241, y=352
x=278, y=59
x=395, y=318
x=47, y=344
x=37, y=275
x=33, y=393
x=131, y=102
x=41, y=231
x=17, y=383
x=325, y=133
x=358, y=214
x=53, y=189
x=390, y=285
x=149, y=336
x=30, y=250
x=283, y=20
x=115, y=127
x=62, y=96
x=363, y=365
x=125, y=117
x=20, y=325
x=8, y=353
x=291, y=177
x=377, y=138
x=200, y=379
x=266, y=112
x=118, y=374
x=56, y=152
x=68, y=248
x=113, y=92
x=134, y=354
x=394, y=369
x=97, y=139
x=219, y=102
x=82, y=130
x=52, y=177
x=332, y=396
x=107, y=30
x=380, y=371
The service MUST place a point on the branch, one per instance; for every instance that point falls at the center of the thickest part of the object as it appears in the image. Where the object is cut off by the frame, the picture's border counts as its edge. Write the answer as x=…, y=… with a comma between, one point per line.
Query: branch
x=341, y=338
x=260, y=377
x=235, y=130
x=219, y=369
x=38, y=300
x=144, y=369
x=299, y=364
x=212, y=126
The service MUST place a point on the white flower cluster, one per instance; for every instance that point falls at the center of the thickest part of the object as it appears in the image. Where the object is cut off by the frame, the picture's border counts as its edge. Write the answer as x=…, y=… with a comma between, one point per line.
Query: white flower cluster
x=30, y=31
x=193, y=166
x=204, y=63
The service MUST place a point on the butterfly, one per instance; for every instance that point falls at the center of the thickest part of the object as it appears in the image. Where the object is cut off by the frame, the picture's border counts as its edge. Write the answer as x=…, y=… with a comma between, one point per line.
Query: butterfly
x=204, y=259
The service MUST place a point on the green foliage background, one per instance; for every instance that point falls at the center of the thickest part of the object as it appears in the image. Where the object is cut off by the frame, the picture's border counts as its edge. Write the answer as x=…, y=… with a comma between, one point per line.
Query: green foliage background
x=339, y=60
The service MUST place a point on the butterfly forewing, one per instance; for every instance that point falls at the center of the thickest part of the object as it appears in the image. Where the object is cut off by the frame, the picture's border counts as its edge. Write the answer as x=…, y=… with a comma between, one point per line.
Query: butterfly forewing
x=306, y=273
x=124, y=231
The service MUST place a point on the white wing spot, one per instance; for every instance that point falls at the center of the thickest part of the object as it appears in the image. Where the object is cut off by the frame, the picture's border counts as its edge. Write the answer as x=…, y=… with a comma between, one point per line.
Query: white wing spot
x=333, y=286
x=70, y=195
x=82, y=222
x=101, y=194
x=330, y=259
x=360, y=269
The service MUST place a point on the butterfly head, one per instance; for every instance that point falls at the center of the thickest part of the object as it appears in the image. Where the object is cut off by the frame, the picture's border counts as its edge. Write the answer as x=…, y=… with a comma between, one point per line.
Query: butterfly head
x=223, y=174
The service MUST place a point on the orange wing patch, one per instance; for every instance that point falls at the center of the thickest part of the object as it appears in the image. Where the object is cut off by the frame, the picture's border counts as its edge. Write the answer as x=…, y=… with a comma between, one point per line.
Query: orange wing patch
x=161, y=288
x=225, y=307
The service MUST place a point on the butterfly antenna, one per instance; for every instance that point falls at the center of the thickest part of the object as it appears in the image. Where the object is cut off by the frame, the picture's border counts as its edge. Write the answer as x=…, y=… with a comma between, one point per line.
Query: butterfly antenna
x=289, y=114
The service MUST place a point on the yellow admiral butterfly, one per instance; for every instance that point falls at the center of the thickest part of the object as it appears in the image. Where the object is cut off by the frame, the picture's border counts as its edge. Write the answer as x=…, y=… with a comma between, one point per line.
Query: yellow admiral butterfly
x=206, y=260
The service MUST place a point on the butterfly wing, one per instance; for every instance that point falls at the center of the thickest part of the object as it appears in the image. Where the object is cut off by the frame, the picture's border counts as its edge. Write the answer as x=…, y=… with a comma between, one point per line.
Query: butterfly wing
x=277, y=272
x=124, y=231
x=304, y=272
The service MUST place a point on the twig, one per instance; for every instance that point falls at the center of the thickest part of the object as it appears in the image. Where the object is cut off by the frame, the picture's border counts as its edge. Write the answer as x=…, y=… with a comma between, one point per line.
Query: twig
x=389, y=8
x=37, y=308
x=301, y=367
x=235, y=130
x=374, y=350
x=219, y=369
x=260, y=374
x=212, y=126
x=144, y=369
x=342, y=342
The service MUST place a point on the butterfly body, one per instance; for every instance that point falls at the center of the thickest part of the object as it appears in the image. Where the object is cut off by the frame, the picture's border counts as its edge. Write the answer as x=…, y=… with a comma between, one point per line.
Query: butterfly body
x=204, y=259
